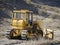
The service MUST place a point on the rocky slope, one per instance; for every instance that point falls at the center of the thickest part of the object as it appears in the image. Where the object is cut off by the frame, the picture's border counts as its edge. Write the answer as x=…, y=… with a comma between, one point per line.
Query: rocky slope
x=5, y=15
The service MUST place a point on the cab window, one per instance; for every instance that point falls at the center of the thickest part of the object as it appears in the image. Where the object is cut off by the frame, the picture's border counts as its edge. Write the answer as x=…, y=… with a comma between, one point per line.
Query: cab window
x=18, y=15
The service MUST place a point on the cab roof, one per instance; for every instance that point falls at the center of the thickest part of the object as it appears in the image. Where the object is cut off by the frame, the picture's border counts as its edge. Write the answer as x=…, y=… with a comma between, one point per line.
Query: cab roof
x=24, y=11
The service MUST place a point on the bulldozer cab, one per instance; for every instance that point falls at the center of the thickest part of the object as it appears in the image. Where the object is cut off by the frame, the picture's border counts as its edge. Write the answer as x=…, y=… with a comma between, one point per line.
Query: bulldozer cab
x=25, y=15
x=22, y=15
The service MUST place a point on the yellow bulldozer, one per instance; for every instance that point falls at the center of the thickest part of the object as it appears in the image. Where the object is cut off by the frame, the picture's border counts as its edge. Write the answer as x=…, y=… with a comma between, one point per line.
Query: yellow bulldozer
x=24, y=27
